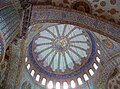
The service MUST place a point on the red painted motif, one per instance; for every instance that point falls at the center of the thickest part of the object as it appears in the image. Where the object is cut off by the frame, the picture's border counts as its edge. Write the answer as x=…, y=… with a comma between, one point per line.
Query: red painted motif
x=114, y=83
x=118, y=82
x=103, y=3
x=113, y=11
x=113, y=2
x=100, y=11
x=110, y=86
x=82, y=6
x=102, y=16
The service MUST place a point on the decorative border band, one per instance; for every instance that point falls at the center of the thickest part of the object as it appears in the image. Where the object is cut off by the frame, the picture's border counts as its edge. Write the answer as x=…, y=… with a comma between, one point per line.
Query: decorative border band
x=41, y=14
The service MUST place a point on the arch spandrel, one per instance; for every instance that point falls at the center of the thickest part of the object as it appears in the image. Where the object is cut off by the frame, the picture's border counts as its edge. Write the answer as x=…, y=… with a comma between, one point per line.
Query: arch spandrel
x=41, y=14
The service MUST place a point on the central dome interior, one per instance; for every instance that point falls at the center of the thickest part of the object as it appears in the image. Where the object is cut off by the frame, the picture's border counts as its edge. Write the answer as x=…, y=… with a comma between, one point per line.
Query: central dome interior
x=62, y=48
x=62, y=52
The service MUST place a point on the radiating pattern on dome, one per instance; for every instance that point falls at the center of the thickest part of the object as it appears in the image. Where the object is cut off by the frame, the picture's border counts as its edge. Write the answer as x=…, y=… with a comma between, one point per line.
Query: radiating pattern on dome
x=65, y=53
x=62, y=51
x=61, y=47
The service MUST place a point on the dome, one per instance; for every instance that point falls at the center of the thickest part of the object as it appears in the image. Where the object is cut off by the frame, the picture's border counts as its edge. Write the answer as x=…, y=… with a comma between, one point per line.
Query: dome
x=63, y=52
x=59, y=44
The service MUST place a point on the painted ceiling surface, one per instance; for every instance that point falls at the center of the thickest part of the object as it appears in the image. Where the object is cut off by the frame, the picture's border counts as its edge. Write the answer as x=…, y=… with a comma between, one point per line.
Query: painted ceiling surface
x=57, y=50
x=53, y=14
x=63, y=53
x=114, y=83
x=114, y=80
x=106, y=9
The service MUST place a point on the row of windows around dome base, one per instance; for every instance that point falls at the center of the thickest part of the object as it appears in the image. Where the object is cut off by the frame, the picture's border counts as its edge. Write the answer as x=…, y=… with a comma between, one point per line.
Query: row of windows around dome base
x=64, y=85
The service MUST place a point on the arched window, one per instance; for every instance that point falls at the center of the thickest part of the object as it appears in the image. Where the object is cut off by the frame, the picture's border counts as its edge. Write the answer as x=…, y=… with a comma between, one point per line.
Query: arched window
x=91, y=72
x=65, y=85
x=37, y=77
x=97, y=44
x=50, y=85
x=28, y=66
x=86, y=77
x=73, y=84
x=44, y=81
x=79, y=81
x=98, y=51
x=95, y=66
x=26, y=59
x=58, y=85
x=98, y=59
x=32, y=73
